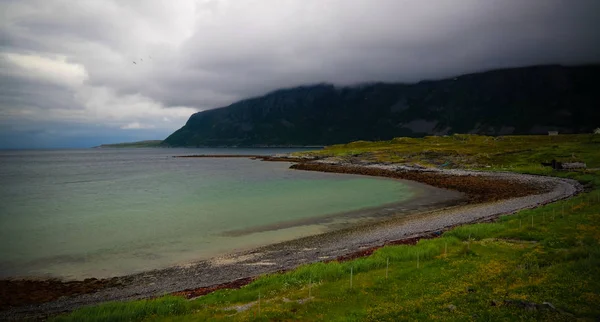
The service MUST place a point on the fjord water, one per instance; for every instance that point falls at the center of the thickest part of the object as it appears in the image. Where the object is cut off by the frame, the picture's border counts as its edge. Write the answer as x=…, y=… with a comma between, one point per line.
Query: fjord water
x=108, y=212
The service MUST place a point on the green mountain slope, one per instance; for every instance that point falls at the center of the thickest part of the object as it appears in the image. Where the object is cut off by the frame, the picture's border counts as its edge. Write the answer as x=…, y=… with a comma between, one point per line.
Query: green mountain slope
x=509, y=101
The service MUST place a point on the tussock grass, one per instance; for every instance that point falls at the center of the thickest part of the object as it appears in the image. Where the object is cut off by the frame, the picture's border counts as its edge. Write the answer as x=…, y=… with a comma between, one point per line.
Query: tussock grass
x=131, y=311
x=476, y=231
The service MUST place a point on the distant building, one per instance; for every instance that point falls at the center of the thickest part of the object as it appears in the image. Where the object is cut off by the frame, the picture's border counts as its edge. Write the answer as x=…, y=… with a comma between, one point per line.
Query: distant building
x=552, y=132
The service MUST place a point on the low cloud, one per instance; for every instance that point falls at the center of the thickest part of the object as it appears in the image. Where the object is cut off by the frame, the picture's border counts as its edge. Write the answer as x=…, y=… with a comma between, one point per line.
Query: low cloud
x=56, y=70
x=136, y=126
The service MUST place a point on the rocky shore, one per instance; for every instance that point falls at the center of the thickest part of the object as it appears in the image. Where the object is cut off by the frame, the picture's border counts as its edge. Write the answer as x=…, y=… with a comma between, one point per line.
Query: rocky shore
x=489, y=195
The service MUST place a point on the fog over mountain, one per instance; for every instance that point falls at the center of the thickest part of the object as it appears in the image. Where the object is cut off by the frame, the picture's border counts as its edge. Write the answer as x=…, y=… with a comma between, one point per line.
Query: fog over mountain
x=81, y=73
x=525, y=100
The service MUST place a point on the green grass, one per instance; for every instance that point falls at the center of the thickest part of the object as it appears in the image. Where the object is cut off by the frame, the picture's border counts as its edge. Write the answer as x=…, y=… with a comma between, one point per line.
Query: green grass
x=513, y=153
x=548, y=254
x=131, y=311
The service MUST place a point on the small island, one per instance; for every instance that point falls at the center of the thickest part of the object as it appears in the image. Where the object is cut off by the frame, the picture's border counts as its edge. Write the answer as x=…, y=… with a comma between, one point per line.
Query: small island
x=137, y=144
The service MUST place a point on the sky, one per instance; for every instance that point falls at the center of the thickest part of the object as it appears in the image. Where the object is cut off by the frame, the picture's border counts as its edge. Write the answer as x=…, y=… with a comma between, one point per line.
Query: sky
x=82, y=73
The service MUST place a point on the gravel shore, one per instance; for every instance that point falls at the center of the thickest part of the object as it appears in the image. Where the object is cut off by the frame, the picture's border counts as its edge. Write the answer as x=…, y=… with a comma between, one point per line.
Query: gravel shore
x=328, y=246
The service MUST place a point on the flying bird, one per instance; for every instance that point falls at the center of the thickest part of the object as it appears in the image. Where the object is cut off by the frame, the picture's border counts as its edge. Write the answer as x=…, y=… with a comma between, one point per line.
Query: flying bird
x=135, y=63
x=141, y=59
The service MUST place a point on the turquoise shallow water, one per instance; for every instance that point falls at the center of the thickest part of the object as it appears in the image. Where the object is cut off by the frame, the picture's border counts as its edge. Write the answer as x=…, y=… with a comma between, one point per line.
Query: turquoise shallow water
x=107, y=212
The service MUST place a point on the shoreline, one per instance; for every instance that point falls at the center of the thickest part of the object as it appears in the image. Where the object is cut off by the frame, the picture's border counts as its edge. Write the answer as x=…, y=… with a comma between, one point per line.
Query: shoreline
x=489, y=195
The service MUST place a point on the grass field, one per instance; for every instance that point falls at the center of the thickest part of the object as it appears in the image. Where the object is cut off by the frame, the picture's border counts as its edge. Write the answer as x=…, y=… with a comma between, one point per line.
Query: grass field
x=539, y=264
x=513, y=153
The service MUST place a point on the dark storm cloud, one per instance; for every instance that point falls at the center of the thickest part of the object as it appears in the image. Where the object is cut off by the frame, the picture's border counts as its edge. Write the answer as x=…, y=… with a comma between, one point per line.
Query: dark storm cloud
x=18, y=92
x=401, y=40
x=206, y=54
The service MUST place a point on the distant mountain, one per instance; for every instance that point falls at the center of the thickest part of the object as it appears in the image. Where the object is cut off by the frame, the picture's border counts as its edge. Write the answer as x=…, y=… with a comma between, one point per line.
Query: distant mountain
x=138, y=144
x=508, y=101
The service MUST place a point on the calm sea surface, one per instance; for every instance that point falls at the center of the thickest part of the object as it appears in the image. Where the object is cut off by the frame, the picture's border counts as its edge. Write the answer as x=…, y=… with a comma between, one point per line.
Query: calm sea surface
x=108, y=212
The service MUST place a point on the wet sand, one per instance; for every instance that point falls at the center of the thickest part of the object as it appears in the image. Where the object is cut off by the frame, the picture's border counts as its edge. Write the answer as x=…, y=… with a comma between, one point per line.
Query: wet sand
x=487, y=196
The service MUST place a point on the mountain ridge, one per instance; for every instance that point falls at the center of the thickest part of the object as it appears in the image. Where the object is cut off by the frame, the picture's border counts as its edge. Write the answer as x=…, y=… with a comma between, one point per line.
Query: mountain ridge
x=520, y=100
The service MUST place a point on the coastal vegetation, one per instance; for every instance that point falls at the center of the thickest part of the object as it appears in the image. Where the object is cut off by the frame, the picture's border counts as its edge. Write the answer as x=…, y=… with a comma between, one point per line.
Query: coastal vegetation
x=537, y=264
x=523, y=154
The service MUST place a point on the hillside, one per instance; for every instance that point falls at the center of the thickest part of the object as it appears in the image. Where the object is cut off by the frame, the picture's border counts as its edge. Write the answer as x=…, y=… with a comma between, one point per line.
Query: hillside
x=509, y=101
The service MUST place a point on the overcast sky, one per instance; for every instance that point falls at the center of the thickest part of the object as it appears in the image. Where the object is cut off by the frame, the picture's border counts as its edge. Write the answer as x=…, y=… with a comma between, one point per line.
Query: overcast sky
x=68, y=78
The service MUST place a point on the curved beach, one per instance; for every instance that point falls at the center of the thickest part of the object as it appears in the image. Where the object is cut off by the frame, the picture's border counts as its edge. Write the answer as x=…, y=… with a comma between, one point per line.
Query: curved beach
x=490, y=195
